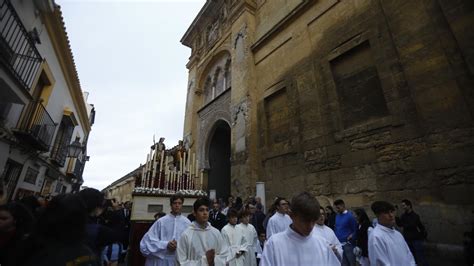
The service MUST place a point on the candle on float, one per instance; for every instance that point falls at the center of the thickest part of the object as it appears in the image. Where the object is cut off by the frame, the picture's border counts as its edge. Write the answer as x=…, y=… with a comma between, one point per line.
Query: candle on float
x=173, y=182
x=153, y=176
x=196, y=173
x=187, y=169
x=161, y=160
x=176, y=179
x=153, y=166
x=150, y=157
x=193, y=163
x=160, y=173
x=146, y=169
x=188, y=159
x=201, y=178
x=179, y=180
x=184, y=162
x=146, y=162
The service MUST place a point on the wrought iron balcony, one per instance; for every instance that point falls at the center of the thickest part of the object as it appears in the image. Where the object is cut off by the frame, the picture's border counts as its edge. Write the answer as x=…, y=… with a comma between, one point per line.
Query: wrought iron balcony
x=18, y=53
x=78, y=169
x=37, y=127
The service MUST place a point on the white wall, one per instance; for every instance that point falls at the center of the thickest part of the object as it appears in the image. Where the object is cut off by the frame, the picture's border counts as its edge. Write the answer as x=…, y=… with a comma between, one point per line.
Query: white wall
x=59, y=100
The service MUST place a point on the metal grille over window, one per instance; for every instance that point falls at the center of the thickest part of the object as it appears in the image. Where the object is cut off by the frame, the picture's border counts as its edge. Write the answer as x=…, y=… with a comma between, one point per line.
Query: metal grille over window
x=10, y=176
x=31, y=175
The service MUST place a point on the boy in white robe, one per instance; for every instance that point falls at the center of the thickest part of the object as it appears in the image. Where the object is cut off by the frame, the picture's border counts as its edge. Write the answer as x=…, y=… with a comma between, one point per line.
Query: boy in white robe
x=328, y=234
x=235, y=240
x=201, y=244
x=251, y=238
x=280, y=221
x=158, y=245
x=262, y=239
x=386, y=245
x=297, y=245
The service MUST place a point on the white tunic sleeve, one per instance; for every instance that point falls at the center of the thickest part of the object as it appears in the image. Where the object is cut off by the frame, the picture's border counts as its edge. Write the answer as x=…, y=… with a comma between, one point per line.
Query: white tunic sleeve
x=184, y=252
x=336, y=242
x=377, y=253
x=268, y=258
x=234, y=237
x=151, y=244
x=222, y=251
x=271, y=227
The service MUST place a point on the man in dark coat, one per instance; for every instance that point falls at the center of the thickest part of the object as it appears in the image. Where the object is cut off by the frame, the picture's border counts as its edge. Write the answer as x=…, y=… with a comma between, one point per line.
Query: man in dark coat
x=257, y=217
x=216, y=218
x=413, y=231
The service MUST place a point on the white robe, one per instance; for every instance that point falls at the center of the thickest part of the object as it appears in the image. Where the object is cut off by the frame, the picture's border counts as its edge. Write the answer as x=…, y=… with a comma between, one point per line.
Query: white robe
x=329, y=235
x=194, y=243
x=154, y=242
x=259, y=249
x=233, y=235
x=278, y=223
x=388, y=247
x=290, y=248
x=251, y=238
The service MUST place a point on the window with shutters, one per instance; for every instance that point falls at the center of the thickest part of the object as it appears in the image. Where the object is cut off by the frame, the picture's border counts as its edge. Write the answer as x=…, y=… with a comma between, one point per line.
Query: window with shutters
x=62, y=141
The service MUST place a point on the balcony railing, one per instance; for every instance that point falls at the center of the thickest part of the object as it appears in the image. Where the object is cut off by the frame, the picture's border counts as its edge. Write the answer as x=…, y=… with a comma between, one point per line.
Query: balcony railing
x=37, y=127
x=18, y=53
x=78, y=169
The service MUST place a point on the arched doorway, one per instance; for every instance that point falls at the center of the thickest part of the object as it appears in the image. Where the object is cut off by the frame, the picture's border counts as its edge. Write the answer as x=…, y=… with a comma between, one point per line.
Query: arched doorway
x=219, y=160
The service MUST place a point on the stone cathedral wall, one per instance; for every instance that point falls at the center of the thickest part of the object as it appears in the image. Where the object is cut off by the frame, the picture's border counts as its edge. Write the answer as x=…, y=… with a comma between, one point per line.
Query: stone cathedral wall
x=359, y=100
x=372, y=100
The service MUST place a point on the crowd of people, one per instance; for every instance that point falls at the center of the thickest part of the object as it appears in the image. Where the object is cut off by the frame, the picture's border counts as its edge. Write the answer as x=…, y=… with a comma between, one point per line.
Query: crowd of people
x=300, y=232
x=87, y=229
x=69, y=229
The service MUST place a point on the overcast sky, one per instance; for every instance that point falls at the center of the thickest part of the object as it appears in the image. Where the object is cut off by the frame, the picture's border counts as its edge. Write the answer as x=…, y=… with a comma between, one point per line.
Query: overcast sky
x=130, y=60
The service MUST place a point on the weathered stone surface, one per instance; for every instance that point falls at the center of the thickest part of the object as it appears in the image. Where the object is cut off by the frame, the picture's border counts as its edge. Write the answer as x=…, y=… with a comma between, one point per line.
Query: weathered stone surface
x=371, y=141
x=359, y=100
x=358, y=157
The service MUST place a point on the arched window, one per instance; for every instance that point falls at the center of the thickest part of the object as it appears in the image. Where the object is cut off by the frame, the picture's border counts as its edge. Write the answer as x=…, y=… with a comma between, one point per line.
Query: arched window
x=227, y=75
x=219, y=81
x=208, y=90
x=217, y=78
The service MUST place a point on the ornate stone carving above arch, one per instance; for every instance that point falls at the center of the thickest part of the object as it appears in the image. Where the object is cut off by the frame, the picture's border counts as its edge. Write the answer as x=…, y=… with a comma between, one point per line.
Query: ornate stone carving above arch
x=218, y=110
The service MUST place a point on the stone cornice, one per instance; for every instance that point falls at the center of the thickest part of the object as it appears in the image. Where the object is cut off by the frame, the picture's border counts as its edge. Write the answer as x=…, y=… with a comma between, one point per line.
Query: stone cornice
x=206, y=13
x=54, y=24
x=186, y=39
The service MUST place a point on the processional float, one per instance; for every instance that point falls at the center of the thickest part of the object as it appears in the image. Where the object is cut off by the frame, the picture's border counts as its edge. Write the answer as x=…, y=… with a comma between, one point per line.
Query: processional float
x=165, y=173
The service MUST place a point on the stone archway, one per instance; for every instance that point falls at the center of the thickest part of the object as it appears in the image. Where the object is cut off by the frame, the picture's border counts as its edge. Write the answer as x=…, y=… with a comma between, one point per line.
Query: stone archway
x=214, y=123
x=218, y=156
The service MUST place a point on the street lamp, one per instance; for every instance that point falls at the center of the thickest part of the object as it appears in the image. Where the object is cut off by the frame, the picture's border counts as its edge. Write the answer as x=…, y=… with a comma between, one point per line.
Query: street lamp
x=74, y=149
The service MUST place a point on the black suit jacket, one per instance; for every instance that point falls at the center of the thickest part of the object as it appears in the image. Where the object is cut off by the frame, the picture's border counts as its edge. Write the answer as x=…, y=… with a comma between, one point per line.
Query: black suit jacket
x=217, y=219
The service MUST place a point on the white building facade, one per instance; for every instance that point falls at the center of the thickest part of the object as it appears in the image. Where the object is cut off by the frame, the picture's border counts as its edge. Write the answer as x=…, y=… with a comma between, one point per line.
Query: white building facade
x=42, y=107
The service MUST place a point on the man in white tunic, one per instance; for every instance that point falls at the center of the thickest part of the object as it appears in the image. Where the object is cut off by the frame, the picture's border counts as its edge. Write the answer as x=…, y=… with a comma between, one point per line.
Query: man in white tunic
x=158, y=245
x=328, y=234
x=297, y=245
x=235, y=239
x=280, y=221
x=201, y=244
x=386, y=245
x=251, y=238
